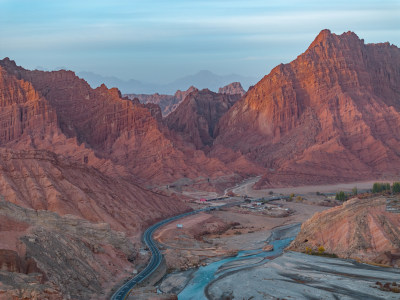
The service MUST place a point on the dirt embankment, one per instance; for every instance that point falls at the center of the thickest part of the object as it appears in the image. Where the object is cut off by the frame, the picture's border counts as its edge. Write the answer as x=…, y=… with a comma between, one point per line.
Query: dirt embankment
x=360, y=228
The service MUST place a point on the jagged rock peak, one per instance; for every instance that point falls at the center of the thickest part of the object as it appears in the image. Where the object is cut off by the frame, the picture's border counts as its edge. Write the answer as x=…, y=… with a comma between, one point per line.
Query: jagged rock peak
x=326, y=36
x=232, y=89
x=8, y=62
x=182, y=94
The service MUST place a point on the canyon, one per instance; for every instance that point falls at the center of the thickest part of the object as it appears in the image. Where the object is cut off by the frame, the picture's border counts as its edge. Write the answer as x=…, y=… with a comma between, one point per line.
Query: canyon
x=83, y=171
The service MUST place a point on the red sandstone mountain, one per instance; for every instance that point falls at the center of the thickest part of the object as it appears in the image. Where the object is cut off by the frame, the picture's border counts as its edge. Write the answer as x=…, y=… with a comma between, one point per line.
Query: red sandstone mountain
x=126, y=135
x=42, y=180
x=196, y=117
x=332, y=114
x=44, y=170
x=232, y=89
x=167, y=103
x=359, y=229
x=195, y=120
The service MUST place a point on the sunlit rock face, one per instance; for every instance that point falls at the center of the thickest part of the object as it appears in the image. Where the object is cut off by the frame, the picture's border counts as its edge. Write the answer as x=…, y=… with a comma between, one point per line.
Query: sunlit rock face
x=116, y=135
x=330, y=115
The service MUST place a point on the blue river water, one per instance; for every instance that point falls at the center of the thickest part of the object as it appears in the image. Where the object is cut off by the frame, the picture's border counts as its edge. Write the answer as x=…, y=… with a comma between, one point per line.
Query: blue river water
x=204, y=275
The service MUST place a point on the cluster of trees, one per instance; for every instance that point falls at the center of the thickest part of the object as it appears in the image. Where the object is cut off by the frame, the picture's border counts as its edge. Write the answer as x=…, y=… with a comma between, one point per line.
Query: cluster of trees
x=378, y=187
x=320, y=252
x=396, y=188
x=341, y=196
x=381, y=187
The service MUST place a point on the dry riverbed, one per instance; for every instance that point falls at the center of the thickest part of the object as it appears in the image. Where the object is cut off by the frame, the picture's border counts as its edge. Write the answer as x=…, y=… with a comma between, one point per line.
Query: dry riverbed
x=210, y=236
x=300, y=276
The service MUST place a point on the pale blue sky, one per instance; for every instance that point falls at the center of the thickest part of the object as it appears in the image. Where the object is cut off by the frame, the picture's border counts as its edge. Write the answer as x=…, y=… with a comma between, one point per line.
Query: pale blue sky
x=158, y=41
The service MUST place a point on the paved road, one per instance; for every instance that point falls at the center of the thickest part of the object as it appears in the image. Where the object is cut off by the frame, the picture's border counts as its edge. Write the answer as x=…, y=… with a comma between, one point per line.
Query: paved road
x=156, y=256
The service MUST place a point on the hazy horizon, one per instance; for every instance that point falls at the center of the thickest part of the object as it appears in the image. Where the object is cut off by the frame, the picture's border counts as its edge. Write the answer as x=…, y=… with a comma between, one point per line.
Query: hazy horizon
x=158, y=41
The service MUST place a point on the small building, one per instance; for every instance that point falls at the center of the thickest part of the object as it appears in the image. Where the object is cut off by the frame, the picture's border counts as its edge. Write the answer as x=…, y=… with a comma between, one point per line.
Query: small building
x=203, y=200
x=179, y=225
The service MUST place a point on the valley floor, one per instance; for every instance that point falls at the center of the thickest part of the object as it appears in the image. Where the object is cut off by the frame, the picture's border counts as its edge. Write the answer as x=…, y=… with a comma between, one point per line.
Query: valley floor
x=211, y=236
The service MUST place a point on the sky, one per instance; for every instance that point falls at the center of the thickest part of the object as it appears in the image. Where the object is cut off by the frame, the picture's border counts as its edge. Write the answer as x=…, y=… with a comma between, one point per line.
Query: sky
x=161, y=40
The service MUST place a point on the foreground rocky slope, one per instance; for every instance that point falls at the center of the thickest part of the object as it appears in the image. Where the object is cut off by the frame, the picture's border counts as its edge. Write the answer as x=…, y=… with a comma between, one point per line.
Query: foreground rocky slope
x=52, y=257
x=330, y=115
x=360, y=228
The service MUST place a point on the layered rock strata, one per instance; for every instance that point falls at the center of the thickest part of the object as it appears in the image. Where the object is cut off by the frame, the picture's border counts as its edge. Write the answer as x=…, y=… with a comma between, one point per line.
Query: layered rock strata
x=330, y=115
x=361, y=229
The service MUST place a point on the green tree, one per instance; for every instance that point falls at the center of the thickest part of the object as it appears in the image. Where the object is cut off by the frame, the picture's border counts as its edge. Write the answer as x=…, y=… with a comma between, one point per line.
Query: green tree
x=376, y=188
x=291, y=197
x=396, y=188
x=387, y=186
x=355, y=191
x=379, y=187
x=341, y=196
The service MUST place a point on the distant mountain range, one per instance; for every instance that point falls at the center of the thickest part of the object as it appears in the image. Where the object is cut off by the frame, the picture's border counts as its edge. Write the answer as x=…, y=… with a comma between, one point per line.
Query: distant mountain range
x=201, y=80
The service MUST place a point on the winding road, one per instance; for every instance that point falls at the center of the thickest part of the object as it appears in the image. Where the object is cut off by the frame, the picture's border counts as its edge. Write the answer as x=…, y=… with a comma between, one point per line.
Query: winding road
x=156, y=256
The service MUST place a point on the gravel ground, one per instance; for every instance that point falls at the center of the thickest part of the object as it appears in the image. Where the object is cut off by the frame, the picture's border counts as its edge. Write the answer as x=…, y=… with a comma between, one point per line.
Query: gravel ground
x=299, y=276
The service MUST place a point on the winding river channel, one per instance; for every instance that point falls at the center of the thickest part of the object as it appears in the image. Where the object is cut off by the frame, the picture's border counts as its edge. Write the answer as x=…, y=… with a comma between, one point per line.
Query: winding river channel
x=196, y=287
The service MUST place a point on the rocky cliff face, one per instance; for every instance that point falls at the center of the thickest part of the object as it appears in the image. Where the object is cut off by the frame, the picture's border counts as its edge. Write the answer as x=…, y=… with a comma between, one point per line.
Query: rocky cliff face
x=360, y=229
x=57, y=154
x=23, y=109
x=167, y=103
x=196, y=117
x=330, y=115
x=232, y=89
x=116, y=135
